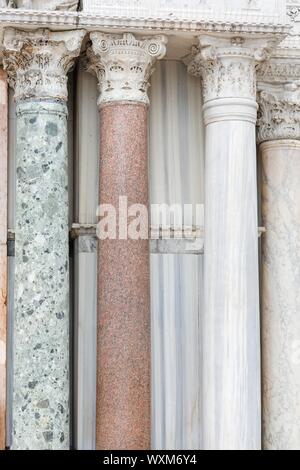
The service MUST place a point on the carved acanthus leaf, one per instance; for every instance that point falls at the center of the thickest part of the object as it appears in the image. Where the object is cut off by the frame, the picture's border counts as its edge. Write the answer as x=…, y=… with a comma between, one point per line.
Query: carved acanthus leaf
x=227, y=66
x=279, y=97
x=279, y=112
x=123, y=65
x=38, y=61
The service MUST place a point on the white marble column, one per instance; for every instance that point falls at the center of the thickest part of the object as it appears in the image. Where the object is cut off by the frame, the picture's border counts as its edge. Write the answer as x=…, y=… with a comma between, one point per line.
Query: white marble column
x=279, y=134
x=37, y=63
x=231, y=417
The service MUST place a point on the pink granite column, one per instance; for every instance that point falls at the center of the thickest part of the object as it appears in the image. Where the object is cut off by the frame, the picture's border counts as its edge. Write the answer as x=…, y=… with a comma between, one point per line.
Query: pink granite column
x=123, y=65
x=123, y=396
x=3, y=250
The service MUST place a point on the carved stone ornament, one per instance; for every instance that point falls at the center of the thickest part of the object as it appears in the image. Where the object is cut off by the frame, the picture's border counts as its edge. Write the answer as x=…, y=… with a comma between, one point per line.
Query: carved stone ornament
x=279, y=112
x=280, y=70
x=227, y=66
x=37, y=62
x=293, y=9
x=123, y=65
x=47, y=5
x=279, y=97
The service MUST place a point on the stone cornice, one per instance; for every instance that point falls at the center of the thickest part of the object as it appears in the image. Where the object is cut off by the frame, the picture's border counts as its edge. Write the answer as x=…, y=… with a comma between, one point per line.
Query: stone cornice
x=123, y=65
x=227, y=65
x=109, y=19
x=176, y=22
x=37, y=62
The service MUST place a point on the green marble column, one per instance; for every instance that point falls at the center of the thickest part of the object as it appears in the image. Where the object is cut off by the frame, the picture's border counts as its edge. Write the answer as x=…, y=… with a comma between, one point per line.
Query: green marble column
x=37, y=64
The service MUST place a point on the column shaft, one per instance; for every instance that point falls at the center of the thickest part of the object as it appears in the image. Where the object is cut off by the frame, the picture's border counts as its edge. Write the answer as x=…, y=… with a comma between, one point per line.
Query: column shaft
x=3, y=250
x=41, y=325
x=230, y=328
x=123, y=398
x=231, y=385
x=123, y=65
x=280, y=299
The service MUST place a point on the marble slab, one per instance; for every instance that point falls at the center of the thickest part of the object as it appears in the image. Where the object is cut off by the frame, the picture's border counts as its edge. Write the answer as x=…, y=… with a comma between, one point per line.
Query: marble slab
x=256, y=10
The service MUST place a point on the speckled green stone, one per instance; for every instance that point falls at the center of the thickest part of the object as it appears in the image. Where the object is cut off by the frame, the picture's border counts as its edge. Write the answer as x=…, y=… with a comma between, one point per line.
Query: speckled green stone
x=41, y=322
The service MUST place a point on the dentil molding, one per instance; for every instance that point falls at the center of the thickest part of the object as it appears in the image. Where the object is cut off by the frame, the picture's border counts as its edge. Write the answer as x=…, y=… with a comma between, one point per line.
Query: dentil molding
x=123, y=65
x=167, y=16
x=37, y=62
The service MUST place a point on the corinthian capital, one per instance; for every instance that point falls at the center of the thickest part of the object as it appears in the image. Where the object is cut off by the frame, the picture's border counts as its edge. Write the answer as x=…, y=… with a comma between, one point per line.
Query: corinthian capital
x=37, y=62
x=227, y=65
x=279, y=99
x=123, y=65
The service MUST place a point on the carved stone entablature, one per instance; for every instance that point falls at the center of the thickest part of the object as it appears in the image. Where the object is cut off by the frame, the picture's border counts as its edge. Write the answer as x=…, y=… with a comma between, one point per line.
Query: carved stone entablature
x=279, y=70
x=279, y=113
x=227, y=66
x=263, y=17
x=38, y=61
x=123, y=65
x=47, y=4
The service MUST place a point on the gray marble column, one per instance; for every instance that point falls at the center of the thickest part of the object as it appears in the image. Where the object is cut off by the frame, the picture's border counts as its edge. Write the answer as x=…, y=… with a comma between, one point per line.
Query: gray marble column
x=230, y=328
x=37, y=64
x=279, y=134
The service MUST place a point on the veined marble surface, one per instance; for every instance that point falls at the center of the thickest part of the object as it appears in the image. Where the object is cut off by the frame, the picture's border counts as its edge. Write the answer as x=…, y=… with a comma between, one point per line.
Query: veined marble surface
x=177, y=304
x=11, y=259
x=85, y=261
x=176, y=176
x=230, y=322
x=3, y=250
x=176, y=138
x=280, y=294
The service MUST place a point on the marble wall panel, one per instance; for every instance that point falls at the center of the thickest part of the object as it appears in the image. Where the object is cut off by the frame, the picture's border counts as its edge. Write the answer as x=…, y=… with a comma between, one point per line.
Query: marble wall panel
x=3, y=250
